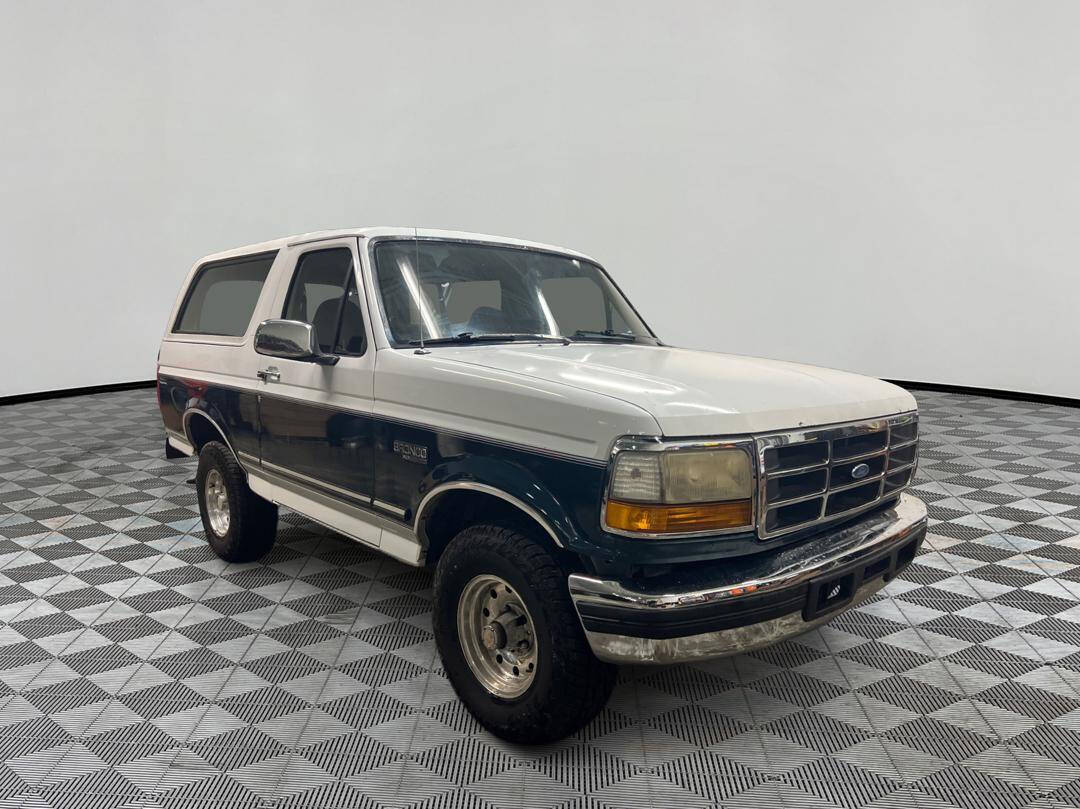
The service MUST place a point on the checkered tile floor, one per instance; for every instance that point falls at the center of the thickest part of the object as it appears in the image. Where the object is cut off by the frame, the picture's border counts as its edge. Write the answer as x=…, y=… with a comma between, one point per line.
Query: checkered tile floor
x=137, y=669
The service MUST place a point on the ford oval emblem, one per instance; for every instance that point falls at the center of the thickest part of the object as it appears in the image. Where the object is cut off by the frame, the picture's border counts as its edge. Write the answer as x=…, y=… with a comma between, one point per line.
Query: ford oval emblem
x=859, y=471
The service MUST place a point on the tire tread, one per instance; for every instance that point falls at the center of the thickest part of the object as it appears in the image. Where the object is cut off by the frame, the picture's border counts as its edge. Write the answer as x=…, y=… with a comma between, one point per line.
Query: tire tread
x=584, y=682
x=252, y=521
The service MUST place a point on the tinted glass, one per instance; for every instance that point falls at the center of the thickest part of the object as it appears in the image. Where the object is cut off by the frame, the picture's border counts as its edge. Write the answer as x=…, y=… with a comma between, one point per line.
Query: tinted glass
x=351, y=338
x=465, y=297
x=580, y=300
x=448, y=288
x=323, y=293
x=223, y=296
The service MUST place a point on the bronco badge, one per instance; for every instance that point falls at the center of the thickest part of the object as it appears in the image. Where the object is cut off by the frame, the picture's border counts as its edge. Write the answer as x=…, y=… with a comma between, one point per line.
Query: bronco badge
x=411, y=452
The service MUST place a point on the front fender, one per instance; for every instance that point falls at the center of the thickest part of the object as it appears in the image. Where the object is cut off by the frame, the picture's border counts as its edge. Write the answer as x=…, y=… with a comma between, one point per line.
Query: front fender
x=506, y=480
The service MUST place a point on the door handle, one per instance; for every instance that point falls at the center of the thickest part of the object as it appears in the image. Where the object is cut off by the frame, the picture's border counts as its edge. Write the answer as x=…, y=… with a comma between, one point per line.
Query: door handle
x=270, y=374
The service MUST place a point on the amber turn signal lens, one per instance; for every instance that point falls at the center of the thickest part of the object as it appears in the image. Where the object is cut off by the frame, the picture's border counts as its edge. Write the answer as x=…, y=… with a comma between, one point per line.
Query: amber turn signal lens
x=658, y=519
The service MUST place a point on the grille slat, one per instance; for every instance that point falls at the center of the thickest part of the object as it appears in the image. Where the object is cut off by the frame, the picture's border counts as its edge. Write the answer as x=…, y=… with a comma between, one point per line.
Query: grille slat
x=796, y=456
x=811, y=476
x=860, y=445
x=788, y=487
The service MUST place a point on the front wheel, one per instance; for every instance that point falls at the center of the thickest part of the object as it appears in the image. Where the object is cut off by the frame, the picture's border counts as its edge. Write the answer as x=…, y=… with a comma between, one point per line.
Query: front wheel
x=510, y=639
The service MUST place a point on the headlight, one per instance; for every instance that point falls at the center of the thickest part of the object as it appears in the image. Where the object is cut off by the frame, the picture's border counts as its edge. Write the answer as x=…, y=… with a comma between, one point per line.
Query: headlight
x=680, y=491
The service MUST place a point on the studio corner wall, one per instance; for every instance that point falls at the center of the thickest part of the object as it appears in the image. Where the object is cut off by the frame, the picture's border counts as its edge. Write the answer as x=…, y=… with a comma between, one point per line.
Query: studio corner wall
x=891, y=188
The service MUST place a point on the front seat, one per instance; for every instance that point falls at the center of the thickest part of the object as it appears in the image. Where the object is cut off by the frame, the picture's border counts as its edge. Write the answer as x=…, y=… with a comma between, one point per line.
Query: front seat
x=352, y=326
x=325, y=323
x=351, y=336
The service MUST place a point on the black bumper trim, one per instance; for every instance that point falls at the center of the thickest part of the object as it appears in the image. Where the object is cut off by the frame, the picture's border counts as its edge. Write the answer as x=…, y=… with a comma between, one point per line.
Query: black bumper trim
x=810, y=598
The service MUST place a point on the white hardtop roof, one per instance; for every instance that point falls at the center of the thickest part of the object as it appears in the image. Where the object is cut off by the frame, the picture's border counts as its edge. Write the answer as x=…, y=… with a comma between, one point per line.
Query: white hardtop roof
x=372, y=232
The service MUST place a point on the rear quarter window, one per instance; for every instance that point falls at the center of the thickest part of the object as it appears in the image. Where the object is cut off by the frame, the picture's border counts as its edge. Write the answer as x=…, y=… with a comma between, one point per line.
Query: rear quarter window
x=223, y=295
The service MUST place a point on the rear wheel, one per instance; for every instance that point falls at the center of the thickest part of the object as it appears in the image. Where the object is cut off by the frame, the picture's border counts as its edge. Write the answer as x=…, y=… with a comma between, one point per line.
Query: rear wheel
x=510, y=639
x=239, y=525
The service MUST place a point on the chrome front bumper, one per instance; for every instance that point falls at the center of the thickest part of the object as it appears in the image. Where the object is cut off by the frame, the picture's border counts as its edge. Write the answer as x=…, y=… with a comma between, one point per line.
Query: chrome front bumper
x=752, y=602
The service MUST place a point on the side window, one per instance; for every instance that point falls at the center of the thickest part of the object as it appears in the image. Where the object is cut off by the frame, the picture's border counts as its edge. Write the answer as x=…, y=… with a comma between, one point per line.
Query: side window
x=223, y=295
x=323, y=293
x=351, y=338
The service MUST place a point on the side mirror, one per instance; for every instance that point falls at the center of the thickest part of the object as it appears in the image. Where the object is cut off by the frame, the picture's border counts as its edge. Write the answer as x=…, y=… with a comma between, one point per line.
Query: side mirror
x=290, y=340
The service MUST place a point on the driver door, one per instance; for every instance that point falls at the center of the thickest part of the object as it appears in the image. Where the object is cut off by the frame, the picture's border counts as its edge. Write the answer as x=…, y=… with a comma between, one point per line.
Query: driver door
x=315, y=421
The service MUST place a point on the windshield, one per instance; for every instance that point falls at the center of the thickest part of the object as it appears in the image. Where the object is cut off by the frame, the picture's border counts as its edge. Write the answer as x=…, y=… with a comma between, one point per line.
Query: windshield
x=455, y=291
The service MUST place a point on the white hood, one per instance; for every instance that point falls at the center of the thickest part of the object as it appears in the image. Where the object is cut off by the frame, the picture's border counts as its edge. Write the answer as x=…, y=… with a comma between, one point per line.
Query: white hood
x=694, y=393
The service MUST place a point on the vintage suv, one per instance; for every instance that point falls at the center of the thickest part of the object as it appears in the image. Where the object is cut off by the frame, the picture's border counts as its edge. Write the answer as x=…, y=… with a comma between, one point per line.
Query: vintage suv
x=496, y=409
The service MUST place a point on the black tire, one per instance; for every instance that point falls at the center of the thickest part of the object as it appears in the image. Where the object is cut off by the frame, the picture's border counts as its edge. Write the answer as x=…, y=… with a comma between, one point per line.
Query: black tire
x=570, y=686
x=252, y=520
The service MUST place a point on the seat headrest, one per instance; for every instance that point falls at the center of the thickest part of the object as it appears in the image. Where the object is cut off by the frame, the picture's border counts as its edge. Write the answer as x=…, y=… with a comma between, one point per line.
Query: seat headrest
x=325, y=323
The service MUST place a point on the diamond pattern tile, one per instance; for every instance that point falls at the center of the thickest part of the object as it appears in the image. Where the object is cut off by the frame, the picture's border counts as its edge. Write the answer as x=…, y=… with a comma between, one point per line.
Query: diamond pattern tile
x=137, y=669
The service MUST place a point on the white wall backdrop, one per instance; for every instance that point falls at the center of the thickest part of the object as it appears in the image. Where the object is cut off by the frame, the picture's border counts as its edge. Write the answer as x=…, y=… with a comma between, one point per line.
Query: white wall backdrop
x=892, y=188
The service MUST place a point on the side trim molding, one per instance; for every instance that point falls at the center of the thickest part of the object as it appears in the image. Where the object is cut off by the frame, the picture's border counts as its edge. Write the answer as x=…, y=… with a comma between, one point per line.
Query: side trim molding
x=389, y=508
x=322, y=484
x=469, y=485
x=368, y=528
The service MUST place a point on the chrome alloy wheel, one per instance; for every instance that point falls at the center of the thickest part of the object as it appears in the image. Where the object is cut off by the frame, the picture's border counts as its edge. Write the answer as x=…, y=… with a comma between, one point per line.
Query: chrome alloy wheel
x=497, y=636
x=217, y=502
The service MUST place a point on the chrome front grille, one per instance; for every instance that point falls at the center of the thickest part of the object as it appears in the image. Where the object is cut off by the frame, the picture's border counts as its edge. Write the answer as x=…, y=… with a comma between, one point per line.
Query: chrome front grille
x=825, y=473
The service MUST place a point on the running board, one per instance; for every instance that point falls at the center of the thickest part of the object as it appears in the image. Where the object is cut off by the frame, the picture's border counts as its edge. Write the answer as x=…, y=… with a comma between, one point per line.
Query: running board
x=364, y=526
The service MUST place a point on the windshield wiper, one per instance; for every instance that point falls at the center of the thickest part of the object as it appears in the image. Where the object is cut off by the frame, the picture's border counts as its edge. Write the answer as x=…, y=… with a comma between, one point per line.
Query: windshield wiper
x=470, y=337
x=606, y=334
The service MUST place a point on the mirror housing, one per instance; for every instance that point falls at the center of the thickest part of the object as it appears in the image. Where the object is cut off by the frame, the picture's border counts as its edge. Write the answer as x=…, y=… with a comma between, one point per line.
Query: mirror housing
x=290, y=340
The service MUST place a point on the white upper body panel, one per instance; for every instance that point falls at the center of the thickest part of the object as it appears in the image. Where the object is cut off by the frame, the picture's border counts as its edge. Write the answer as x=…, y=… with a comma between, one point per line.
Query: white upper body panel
x=570, y=399
x=688, y=393
x=441, y=391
